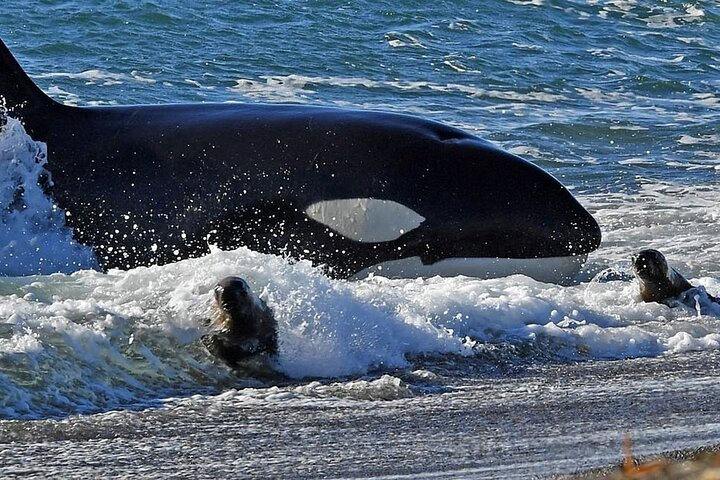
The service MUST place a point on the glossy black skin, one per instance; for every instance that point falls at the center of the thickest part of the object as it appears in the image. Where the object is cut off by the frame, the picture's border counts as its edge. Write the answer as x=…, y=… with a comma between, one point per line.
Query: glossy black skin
x=172, y=178
x=657, y=280
x=244, y=328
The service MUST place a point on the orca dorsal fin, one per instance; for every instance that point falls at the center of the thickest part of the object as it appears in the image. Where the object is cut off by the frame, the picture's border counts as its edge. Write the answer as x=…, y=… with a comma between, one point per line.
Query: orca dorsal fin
x=18, y=93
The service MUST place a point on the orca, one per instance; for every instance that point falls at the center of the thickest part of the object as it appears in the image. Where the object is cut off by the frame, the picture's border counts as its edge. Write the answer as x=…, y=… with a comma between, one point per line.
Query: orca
x=355, y=191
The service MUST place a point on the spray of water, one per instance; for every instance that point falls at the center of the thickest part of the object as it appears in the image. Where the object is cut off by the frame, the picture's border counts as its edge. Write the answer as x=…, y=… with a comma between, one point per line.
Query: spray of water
x=33, y=235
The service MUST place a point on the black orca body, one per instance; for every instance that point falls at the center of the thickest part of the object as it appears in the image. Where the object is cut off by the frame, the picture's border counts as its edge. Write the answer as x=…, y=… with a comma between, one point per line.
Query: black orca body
x=345, y=188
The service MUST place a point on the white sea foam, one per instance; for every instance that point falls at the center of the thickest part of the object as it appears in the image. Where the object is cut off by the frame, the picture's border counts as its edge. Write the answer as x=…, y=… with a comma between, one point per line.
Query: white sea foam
x=400, y=40
x=100, y=77
x=141, y=328
x=535, y=3
x=33, y=236
x=671, y=18
x=300, y=87
x=679, y=220
x=352, y=393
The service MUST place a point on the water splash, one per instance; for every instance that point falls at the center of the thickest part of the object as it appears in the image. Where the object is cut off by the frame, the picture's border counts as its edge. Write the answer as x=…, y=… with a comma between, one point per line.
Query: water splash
x=33, y=235
x=93, y=342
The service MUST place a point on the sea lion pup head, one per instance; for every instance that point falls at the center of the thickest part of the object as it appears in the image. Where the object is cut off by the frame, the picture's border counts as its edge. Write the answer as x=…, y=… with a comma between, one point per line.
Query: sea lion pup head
x=650, y=265
x=244, y=325
x=235, y=302
x=658, y=282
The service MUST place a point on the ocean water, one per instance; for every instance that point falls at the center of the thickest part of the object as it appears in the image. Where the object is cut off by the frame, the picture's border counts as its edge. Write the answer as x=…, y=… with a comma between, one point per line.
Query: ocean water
x=103, y=374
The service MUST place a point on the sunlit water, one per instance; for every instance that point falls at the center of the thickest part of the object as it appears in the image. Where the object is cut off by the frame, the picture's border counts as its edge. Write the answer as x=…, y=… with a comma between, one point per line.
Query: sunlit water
x=103, y=374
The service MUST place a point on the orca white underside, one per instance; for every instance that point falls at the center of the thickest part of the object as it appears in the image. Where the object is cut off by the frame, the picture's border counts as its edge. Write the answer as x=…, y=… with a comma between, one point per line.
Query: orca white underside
x=560, y=270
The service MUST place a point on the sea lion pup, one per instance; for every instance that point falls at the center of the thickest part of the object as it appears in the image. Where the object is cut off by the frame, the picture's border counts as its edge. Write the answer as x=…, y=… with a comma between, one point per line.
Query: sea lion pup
x=659, y=282
x=244, y=328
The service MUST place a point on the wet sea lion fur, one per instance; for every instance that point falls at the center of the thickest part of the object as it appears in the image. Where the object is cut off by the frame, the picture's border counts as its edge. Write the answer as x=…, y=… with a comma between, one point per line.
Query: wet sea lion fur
x=242, y=325
x=658, y=281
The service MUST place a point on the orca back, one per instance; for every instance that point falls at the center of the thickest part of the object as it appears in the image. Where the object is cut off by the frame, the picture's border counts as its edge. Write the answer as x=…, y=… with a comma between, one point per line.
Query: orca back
x=18, y=93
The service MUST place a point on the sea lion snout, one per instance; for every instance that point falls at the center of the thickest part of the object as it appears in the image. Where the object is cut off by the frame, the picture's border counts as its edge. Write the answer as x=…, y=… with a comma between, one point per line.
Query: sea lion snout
x=233, y=295
x=649, y=264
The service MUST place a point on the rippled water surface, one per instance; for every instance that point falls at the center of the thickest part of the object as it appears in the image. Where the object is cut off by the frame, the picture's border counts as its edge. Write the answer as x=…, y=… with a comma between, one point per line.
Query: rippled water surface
x=103, y=374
